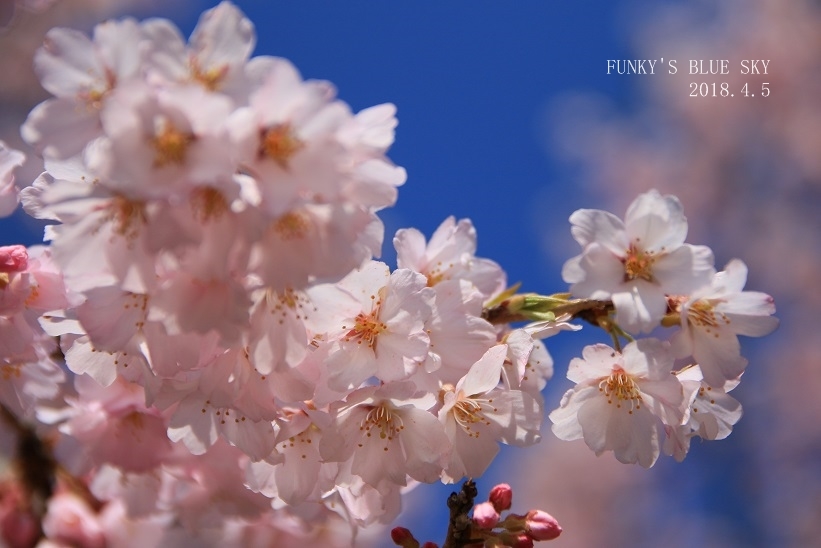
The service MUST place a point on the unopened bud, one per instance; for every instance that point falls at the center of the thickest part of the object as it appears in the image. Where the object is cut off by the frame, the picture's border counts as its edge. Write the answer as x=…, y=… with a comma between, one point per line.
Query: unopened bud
x=485, y=515
x=542, y=526
x=404, y=538
x=13, y=258
x=501, y=497
x=517, y=540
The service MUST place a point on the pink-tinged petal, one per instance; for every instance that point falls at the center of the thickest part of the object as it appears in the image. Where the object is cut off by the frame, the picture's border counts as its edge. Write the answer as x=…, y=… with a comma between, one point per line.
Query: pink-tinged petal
x=665, y=399
x=471, y=455
x=485, y=374
x=349, y=366
x=631, y=437
x=111, y=317
x=375, y=127
x=719, y=355
x=596, y=274
x=374, y=183
x=648, y=358
x=656, y=223
x=398, y=355
x=640, y=310
x=223, y=37
x=716, y=414
x=565, y=419
x=254, y=438
x=751, y=325
x=119, y=44
x=58, y=128
x=518, y=415
x=597, y=361
x=374, y=462
x=686, y=269
x=297, y=476
x=596, y=226
x=67, y=63
x=458, y=335
x=451, y=240
x=732, y=279
x=197, y=430
x=681, y=343
x=410, y=249
x=425, y=443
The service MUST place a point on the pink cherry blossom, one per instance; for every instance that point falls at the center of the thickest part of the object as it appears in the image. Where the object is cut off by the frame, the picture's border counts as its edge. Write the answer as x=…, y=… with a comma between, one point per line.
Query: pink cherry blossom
x=388, y=434
x=636, y=262
x=479, y=412
x=386, y=338
x=621, y=400
x=713, y=317
x=712, y=413
x=81, y=73
x=450, y=254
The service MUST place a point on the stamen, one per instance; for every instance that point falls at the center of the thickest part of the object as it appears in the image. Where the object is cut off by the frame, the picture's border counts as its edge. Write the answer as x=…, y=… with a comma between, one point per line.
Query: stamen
x=638, y=264
x=170, y=144
x=621, y=387
x=279, y=143
x=208, y=203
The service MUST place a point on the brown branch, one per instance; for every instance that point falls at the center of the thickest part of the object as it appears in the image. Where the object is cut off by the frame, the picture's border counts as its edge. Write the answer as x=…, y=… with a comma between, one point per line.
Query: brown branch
x=460, y=525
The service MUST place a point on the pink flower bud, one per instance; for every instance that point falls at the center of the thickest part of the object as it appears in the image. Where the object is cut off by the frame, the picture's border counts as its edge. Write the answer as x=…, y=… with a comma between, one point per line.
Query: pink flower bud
x=13, y=258
x=517, y=540
x=430, y=544
x=404, y=538
x=485, y=515
x=501, y=497
x=542, y=526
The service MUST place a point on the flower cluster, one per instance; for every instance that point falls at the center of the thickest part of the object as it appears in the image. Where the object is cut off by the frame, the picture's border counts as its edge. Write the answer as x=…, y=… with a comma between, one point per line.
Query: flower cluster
x=211, y=283
x=626, y=400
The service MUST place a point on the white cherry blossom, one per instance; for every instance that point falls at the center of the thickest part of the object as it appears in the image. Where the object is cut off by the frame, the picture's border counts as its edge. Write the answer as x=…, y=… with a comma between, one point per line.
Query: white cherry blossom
x=479, y=412
x=388, y=434
x=621, y=400
x=712, y=413
x=713, y=317
x=636, y=262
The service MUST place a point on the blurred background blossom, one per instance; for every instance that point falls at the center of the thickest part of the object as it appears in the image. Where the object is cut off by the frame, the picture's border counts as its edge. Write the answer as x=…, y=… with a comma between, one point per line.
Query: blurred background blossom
x=507, y=116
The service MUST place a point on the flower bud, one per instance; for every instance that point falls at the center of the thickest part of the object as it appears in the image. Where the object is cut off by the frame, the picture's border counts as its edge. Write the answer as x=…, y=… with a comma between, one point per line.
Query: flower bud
x=485, y=515
x=517, y=540
x=404, y=538
x=501, y=497
x=540, y=525
x=13, y=258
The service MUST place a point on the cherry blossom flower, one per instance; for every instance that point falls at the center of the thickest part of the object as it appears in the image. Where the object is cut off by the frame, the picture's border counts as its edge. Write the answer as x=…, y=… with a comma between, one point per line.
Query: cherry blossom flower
x=636, y=262
x=713, y=317
x=81, y=73
x=215, y=57
x=450, y=254
x=479, y=412
x=387, y=338
x=388, y=434
x=621, y=399
x=712, y=413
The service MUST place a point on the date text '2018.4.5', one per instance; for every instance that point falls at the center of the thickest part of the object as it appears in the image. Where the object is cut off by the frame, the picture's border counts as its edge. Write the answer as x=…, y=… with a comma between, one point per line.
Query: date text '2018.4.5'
x=722, y=89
